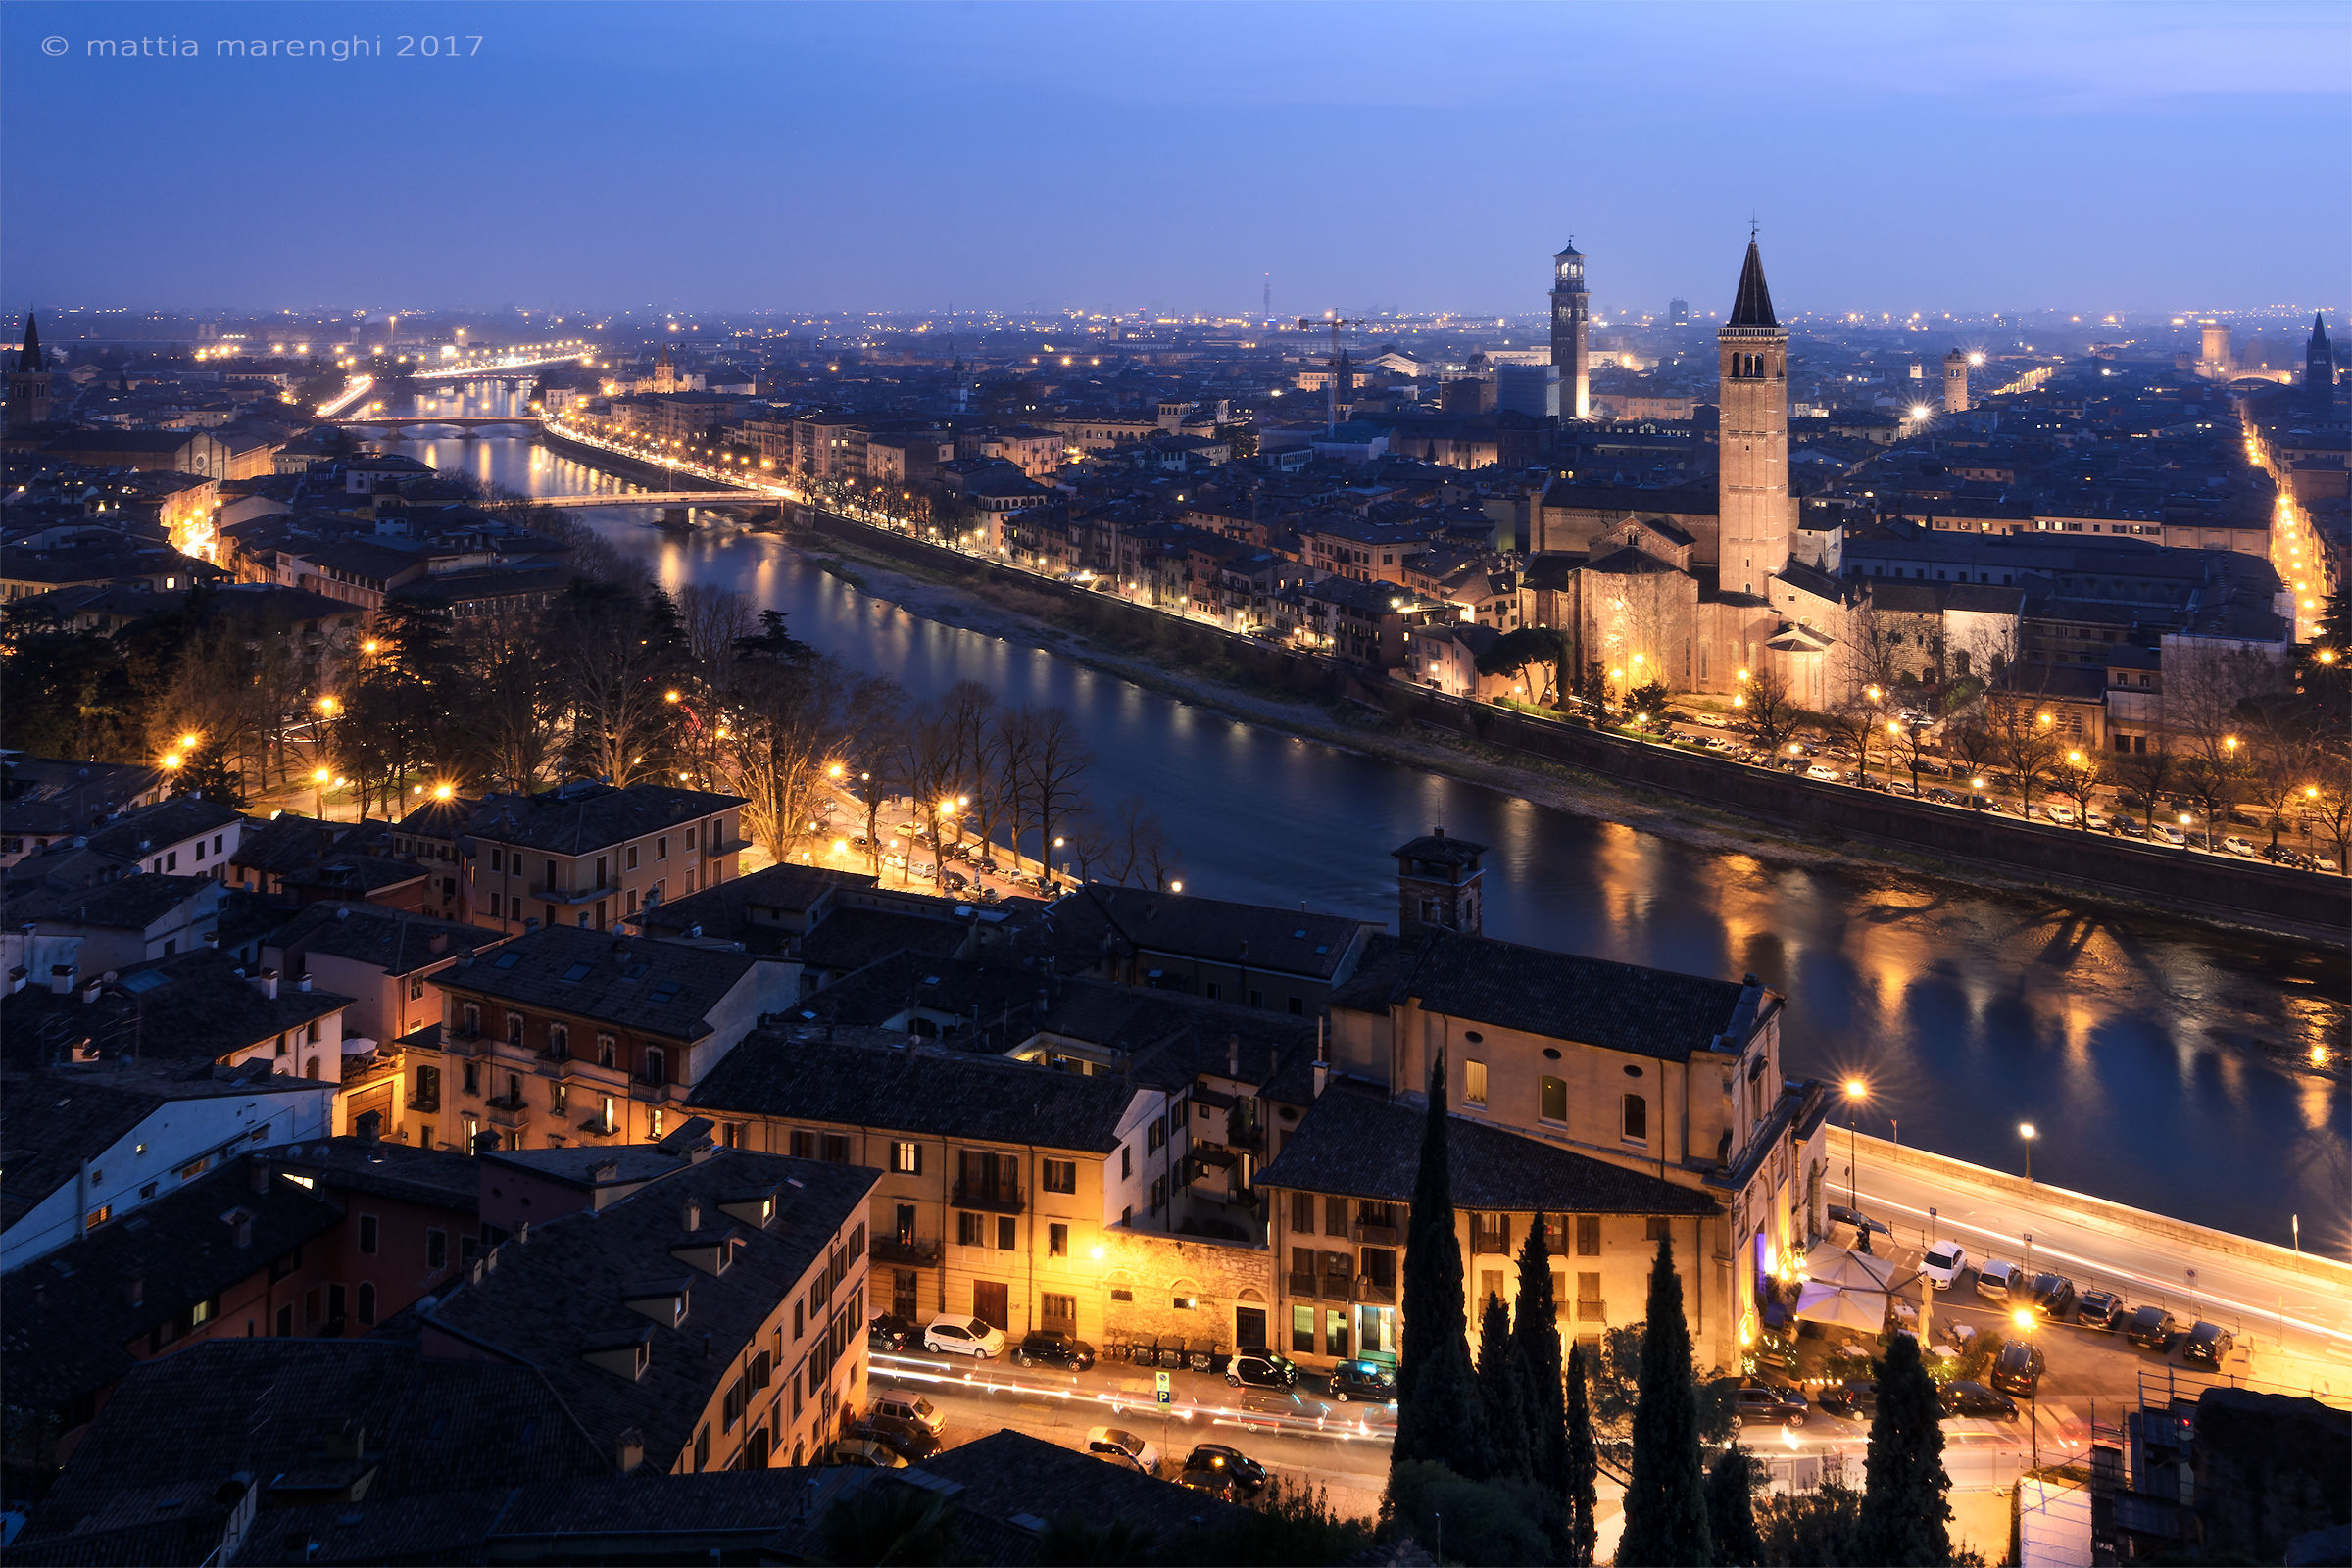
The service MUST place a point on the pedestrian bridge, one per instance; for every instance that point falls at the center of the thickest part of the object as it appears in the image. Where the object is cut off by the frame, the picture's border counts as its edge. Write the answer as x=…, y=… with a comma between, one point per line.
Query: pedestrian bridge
x=661, y=498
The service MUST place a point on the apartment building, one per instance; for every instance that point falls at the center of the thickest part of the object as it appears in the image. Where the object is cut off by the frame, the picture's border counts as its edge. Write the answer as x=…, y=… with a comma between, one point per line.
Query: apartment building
x=590, y=854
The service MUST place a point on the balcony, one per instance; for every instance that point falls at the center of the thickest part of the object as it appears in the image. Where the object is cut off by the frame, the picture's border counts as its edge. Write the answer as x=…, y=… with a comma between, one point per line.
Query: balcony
x=551, y=895
x=430, y=1105
x=1302, y=1286
x=732, y=845
x=1248, y=1137
x=1000, y=1199
x=509, y=1110
x=1380, y=1291
x=906, y=1253
x=1373, y=1233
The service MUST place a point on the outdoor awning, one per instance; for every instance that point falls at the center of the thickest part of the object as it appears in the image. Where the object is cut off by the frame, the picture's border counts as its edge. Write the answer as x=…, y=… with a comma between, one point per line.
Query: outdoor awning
x=357, y=1045
x=1850, y=1290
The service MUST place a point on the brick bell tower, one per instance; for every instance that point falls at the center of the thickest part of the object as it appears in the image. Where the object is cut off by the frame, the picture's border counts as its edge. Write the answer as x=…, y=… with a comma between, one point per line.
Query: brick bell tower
x=1438, y=885
x=1571, y=305
x=1752, y=485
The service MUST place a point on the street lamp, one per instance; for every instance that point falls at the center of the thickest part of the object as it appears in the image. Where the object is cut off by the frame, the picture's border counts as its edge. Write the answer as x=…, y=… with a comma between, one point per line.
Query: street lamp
x=318, y=778
x=2025, y=1131
x=2023, y=1320
x=1856, y=1091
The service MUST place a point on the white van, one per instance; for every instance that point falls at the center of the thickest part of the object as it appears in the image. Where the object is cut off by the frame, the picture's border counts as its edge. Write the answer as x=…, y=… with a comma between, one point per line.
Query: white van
x=910, y=1408
x=1997, y=1281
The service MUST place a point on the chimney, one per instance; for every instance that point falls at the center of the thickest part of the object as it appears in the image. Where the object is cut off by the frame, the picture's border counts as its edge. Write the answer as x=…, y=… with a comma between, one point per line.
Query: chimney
x=628, y=1450
x=1322, y=1063
x=89, y=992
x=1233, y=1057
x=267, y=981
x=369, y=1125
x=437, y=942
x=60, y=979
x=257, y=1174
x=690, y=1215
x=303, y=984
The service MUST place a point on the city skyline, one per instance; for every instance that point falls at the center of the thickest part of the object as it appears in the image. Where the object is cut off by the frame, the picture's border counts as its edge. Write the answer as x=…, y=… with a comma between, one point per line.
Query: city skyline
x=1058, y=159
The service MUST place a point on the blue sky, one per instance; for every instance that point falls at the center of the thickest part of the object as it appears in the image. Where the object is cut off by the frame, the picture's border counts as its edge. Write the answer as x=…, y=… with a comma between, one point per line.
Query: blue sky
x=2101, y=156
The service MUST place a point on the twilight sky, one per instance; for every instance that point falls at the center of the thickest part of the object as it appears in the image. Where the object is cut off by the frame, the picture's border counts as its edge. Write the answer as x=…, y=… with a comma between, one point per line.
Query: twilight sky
x=2098, y=157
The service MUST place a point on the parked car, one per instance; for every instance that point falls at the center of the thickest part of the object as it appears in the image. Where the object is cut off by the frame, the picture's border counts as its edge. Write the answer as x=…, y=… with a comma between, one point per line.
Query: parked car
x=1261, y=1369
x=1966, y=1399
x=1123, y=1448
x=1248, y=1473
x=1823, y=775
x=2239, y=844
x=1767, y=1405
x=865, y=1452
x=910, y=1408
x=2063, y=816
x=2130, y=827
x=2208, y=1345
x=889, y=1333
x=1942, y=1263
x=1854, y=1399
x=963, y=1336
x=1052, y=1347
x=1997, y=1281
x=2054, y=1296
x=910, y=1441
x=2099, y=1309
x=1362, y=1380
x=2018, y=1368
x=2150, y=1328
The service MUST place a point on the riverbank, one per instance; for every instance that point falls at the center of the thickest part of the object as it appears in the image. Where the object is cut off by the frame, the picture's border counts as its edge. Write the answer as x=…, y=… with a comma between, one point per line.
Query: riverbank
x=1038, y=620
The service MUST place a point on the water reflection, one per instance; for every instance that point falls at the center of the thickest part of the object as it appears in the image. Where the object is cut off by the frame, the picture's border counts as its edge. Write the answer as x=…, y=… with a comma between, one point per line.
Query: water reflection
x=2162, y=1064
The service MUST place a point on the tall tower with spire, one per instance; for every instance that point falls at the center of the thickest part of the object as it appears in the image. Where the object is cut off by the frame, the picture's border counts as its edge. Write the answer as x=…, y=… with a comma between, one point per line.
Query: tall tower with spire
x=2319, y=369
x=1570, y=306
x=1753, y=506
x=28, y=384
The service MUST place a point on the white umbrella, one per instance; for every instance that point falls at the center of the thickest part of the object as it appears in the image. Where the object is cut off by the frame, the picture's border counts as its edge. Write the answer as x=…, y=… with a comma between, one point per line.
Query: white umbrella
x=1845, y=1289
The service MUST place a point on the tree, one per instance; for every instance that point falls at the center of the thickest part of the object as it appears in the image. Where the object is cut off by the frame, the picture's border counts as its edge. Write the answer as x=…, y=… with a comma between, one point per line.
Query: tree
x=2148, y=774
x=1763, y=700
x=1665, y=1504
x=1905, y=1512
x=1580, y=1465
x=1811, y=1527
x=621, y=654
x=1460, y=1520
x=1502, y=1392
x=1650, y=698
x=927, y=769
x=2077, y=779
x=968, y=707
x=207, y=773
x=1288, y=1523
x=1732, y=1508
x=1971, y=743
x=1438, y=1417
x=1536, y=1330
x=1515, y=649
x=2025, y=738
x=889, y=1523
x=511, y=708
x=1056, y=764
x=1910, y=743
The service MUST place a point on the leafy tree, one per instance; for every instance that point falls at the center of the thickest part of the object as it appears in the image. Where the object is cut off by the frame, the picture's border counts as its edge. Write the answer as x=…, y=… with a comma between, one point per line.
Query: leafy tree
x=207, y=773
x=1514, y=651
x=1536, y=1331
x=1652, y=698
x=1460, y=1520
x=70, y=695
x=888, y=1523
x=1732, y=1508
x=1502, y=1390
x=1810, y=1528
x=1581, y=1467
x=1665, y=1504
x=1438, y=1416
x=1905, y=1514
x=1288, y=1523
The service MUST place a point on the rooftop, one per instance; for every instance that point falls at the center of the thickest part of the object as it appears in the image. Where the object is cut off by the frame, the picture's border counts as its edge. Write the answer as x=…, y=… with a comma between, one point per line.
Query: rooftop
x=659, y=987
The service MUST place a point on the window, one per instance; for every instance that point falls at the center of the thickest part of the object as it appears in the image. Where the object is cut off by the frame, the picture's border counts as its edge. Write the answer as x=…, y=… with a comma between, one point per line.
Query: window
x=1589, y=1305
x=652, y=1124
x=99, y=1216
x=367, y=1232
x=1126, y=1160
x=1297, y=1007
x=1588, y=1235
x=629, y=862
x=473, y=1078
x=837, y=1148
x=1007, y=1233
x=1302, y=1331
x=701, y=1447
x=1655, y=1229
x=803, y=1144
x=655, y=1065
x=1058, y=1241
x=662, y=849
x=1491, y=1233
x=558, y=1042
x=970, y=1229
x=558, y=1098
x=906, y=1157
x=732, y=1406
x=1156, y=1134
x=1335, y=1216
x=367, y=1301
x=1636, y=1119
x=1303, y=1213
x=498, y=860
x=1059, y=1175
x=1474, y=1082
x=608, y=1050
x=1159, y=1194
x=1556, y=1100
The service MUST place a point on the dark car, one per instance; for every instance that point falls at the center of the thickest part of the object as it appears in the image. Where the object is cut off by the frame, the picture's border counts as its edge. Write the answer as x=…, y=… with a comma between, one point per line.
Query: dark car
x=910, y=1441
x=2207, y=1345
x=1975, y=1399
x=1767, y=1405
x=1854, y=1399
x=1249, y=1476
x=2100, y=1309
x=2054, y=1296
x=1261, y=1370
x=1052, y=1347
x=891, y=1333
x=1362, y=1380
x=2018, y=1368
x=2150, y=1328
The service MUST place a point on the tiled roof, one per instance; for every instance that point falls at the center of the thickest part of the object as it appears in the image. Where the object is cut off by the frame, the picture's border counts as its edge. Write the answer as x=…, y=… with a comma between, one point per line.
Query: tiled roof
x=751, y=907
x=70, y=1313
x=1008, y=1474
x=394, y=940
x=434, y=1177
x=1185, y=925
x=1561, y=996
x=182, y=816
x=928, y=1091
x=849, y=940
x=1172, y=1037
x=193, y=1006
x=1357, y=1143
x=659, y=987
x=128, y=904
x=584, y=818
x=558, y=1292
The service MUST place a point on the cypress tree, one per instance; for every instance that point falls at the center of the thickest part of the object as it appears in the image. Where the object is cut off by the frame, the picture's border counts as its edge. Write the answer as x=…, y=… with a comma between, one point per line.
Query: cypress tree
x=1580, y=1465
x=1732, y=1508
x=207, y=773
x=1502, y=1393
x=1438, y=1416
x=1666, y=1504
x=1905, y=1514
x=1536, y=1331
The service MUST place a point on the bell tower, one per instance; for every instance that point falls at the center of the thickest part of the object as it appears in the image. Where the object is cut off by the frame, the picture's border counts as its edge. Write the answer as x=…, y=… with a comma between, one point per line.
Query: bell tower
x=2319, y=369
x=1753, y=504
x=1570, y=306
x=28, y=385
x=1438, y=885
x=1955, y=382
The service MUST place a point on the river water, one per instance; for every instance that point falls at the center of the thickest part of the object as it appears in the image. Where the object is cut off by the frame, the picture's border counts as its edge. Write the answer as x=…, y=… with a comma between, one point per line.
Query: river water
x=2158, y=1062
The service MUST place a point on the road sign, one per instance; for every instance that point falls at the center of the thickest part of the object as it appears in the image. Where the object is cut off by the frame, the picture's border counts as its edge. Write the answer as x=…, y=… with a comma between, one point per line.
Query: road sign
x=1160, y=1381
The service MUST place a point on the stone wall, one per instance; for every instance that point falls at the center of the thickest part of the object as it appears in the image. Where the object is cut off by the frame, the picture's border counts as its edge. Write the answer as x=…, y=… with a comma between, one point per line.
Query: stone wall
x=1156, y=1271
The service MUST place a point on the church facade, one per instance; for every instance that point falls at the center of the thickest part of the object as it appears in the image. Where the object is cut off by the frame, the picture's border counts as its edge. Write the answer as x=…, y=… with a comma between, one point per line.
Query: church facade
x=1699, y=589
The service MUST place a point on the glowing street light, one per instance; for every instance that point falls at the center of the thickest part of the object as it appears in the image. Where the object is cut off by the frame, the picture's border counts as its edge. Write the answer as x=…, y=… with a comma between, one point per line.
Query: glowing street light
x=2026, y=1132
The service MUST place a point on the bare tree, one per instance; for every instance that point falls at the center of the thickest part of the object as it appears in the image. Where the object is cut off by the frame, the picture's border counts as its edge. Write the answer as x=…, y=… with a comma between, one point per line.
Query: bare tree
x=1059, y=758
x=1764, y=702
x=712, y=620
x=2077, y=777
x=2025, y=738
x=2148, y=772
x=514, y=706
x=2206, y=687
x=1015, y=732
x=968, y=710
x=619, y=656
x=927, y=771
x=786, y=733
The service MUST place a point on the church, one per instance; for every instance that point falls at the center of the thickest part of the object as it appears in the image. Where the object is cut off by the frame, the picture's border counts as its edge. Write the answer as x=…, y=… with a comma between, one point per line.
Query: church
x=1689, y=588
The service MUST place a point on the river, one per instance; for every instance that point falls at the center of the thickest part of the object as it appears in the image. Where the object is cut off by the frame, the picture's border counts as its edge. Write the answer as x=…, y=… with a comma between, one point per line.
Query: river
x=2157, y=1061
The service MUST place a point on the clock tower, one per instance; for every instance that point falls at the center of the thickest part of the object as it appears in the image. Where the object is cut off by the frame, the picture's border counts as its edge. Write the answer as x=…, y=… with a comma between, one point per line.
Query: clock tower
x=1570, y=305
